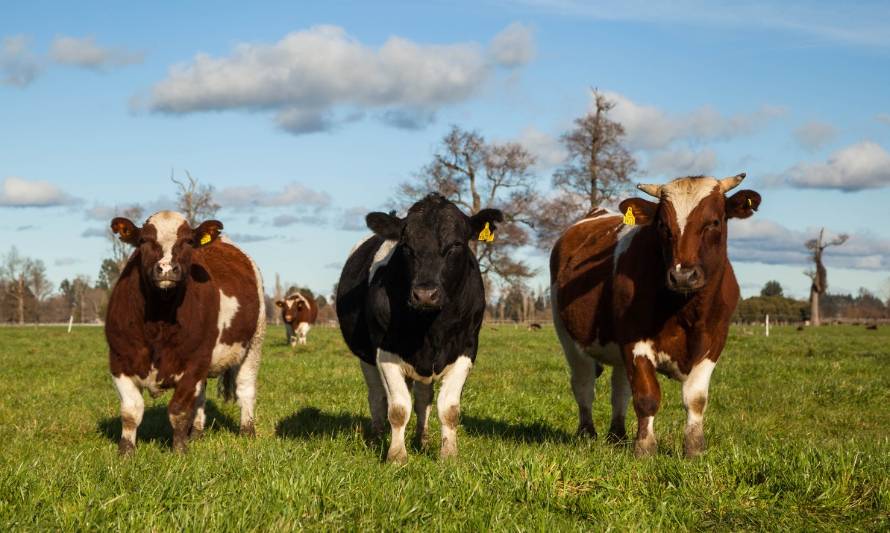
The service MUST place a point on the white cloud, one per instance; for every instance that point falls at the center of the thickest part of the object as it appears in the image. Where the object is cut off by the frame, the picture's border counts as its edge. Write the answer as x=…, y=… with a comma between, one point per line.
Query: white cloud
x=287, y=220
x=814, y=135
x=883, y=118
x=650, y=128
x=514, y=46
x=18, y=66
x=548, y=151
x=19, y=192
x=293, y=194
x=309, y=76
x=84, y=52
x=250, y=237
x=765, y=241
x=865, y=165
x=681, y=162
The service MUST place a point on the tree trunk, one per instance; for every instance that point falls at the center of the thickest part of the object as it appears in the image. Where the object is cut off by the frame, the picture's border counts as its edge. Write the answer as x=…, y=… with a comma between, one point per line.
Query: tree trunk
x=814, y=307
x=21, y=297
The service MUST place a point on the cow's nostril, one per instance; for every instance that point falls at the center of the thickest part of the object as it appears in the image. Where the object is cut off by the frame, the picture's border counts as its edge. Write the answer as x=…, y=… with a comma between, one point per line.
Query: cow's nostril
x=175, y=270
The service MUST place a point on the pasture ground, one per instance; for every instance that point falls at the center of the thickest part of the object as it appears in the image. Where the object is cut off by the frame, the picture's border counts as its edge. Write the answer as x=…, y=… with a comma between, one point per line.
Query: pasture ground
x=798, y=428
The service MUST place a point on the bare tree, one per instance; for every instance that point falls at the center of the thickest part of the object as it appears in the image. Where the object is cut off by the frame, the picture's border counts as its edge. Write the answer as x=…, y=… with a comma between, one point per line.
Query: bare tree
x=475, y=174
x=597, y=171
x=13, y=271
x=194, y=200
x=819, y=276
x=38, y=284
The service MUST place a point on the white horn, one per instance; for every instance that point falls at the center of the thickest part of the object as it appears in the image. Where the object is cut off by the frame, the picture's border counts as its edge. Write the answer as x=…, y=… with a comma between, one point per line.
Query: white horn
x=730, y=183
x=650, y=189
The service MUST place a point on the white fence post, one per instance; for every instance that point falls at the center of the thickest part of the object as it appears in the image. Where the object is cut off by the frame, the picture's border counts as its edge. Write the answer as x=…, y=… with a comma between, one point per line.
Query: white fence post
x=767, y=325
x=70, y=323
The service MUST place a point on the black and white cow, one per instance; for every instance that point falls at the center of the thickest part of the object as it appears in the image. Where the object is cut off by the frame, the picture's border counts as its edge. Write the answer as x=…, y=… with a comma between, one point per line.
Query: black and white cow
x=410, y=302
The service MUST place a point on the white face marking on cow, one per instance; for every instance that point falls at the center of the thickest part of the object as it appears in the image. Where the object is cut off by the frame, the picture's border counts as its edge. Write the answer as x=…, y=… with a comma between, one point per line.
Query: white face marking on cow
x=678, y=267
x=381, y=258
x=166, y=224
x=685, y=194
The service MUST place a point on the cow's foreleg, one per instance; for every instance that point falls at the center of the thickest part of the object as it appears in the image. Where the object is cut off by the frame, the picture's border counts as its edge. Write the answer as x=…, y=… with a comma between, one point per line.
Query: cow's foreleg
x=200, y=414
x=646, y=395
x=695, y=400
x=181, y=409
x=132, y=408
x=376, y=397
x=620, y=397
x=423, y=398
x=448, y=404
x=399, y=403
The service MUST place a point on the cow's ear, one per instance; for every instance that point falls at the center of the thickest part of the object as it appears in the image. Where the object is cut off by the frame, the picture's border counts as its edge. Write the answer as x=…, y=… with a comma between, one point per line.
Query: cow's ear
x=279, y=303
x=483, y=217
x=742, y=204
x=386, y=226
x=638, y=211
x=126, y=230
x=206, y=233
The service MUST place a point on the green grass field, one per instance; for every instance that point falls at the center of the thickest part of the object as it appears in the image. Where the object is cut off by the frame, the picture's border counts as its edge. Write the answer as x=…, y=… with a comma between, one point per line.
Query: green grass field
x=798, y=428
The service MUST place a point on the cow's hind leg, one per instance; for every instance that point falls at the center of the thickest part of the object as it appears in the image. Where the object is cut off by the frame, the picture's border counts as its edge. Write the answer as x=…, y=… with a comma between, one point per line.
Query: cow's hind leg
x=448, y=403
x=376, y=397
x=620, y=397
x=132, y=408
x=245, y=387
x=695, y=400
x=399, y=403
x=423, y=398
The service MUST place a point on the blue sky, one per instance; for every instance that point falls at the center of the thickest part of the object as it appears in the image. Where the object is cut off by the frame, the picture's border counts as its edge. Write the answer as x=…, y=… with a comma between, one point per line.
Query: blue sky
x=306, y=116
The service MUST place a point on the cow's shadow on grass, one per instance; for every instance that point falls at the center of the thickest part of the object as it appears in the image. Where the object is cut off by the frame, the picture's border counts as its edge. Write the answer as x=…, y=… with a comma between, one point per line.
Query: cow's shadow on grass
x=155, y=426
x=311, y=422
x=519, y=432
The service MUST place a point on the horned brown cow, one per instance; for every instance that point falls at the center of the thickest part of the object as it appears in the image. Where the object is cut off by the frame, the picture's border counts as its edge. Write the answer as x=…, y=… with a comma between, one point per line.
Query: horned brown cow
x=298, y=314
x=188, y=305
x=649, y=292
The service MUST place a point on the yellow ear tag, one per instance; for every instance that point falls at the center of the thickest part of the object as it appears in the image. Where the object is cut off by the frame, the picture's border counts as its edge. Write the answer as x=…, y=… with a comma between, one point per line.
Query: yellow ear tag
x=750, y=203
x=629, y=218
x=486, y=234
x=205, y=239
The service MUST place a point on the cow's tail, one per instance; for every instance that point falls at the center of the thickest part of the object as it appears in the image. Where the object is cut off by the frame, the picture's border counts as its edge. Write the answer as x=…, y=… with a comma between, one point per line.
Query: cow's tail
x=226, y=384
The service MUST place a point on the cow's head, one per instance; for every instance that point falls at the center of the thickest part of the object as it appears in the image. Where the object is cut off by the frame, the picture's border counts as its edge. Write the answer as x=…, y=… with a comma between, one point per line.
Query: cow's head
x=690, y=219
x=165, y=243
x=291, y=305
x=434, y=245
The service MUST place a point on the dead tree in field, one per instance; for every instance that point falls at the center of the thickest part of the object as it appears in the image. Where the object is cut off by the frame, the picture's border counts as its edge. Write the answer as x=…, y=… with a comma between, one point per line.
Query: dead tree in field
x=597, y=171
x=194, y=200
x=819, y=276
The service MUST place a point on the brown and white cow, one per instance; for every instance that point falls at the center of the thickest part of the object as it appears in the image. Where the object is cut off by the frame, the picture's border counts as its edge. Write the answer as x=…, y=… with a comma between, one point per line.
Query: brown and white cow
x=653, y=294
x=298, y=314
x=188, y=305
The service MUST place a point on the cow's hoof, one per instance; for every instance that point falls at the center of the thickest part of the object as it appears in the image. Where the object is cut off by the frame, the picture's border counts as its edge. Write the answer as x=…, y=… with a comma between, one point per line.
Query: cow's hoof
x=398, y=456
x=180, y=446
x=448, y=452
x=586, y=430
x=694, y=444
x=125, y=448
x=248, y=430
x=645, y=447
x=422, y=439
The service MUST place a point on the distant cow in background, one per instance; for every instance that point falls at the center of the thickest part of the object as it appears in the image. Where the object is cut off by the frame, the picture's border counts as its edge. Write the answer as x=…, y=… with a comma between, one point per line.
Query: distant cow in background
x=298, y=314
x=650, y=292
x=410, y=302
x=188, y=305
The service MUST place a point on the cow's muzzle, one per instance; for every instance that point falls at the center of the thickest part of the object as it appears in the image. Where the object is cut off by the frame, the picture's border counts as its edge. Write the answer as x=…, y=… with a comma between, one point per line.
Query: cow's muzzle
x=166, y=276
x=426, y=298
x=686, y=279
